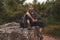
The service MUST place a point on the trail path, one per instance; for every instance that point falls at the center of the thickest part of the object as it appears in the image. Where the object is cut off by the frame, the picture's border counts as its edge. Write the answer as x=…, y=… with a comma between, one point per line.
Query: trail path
x=49, y=38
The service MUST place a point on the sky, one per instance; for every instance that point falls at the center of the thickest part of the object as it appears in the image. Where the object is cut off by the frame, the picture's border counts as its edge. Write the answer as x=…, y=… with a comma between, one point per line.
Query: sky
x=30, y=1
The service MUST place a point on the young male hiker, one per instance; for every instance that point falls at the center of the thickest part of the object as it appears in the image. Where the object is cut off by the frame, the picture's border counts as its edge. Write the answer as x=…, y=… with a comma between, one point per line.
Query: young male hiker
x=31, y=18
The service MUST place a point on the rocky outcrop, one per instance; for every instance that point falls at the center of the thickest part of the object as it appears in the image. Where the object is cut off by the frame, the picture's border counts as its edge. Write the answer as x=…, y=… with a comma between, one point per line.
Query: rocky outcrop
x=12, y=31
x=12, y=24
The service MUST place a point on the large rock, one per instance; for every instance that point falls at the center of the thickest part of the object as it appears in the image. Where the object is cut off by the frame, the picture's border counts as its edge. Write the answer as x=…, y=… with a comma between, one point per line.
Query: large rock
x=12, y=24
x=13, y=32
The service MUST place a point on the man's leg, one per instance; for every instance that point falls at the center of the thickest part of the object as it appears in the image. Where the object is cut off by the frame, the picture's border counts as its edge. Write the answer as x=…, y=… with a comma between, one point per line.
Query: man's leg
x=28, y=24
x=41, y=25
x=40, y=30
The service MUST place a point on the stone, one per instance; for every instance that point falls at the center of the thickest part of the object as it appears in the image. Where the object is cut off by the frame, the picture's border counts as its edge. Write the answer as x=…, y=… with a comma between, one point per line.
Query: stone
x=14, y=32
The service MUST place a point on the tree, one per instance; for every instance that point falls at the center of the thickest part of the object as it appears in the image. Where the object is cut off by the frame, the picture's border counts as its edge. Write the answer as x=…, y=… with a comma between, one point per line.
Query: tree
x=11, y=10
x=56, y=10
x=34, y=2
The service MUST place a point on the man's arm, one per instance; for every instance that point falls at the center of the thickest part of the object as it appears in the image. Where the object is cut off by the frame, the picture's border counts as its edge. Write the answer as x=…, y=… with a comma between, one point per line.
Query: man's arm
x=29, y=16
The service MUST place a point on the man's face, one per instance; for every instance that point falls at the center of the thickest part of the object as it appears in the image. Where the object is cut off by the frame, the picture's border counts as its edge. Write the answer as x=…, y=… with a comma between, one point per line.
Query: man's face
x=31, y=8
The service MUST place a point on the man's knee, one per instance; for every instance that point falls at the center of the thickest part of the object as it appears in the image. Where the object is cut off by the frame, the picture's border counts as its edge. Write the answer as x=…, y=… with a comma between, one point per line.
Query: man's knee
x=41, y=24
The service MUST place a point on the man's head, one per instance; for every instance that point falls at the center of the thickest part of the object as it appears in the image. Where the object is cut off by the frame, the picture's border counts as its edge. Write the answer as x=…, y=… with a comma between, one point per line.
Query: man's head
x=31, y=7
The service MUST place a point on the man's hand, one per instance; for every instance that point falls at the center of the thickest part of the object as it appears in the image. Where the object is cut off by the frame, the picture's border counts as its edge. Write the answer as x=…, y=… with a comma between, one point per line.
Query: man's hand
x=34, y=20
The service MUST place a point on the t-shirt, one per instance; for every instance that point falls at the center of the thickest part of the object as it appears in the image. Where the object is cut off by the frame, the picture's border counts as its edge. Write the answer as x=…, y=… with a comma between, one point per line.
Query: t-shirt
x=33, y=14
x=25, y=17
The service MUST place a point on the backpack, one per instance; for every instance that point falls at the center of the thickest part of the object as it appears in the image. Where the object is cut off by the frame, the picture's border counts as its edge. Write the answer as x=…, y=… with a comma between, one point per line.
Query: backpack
x=23, y=21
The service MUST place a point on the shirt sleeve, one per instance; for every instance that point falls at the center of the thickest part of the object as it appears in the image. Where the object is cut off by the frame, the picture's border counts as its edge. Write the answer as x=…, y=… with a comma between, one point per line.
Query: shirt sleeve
x=27, y=16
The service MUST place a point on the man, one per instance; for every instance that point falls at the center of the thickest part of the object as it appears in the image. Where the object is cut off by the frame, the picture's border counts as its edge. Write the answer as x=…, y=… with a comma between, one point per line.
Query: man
x=32, y=19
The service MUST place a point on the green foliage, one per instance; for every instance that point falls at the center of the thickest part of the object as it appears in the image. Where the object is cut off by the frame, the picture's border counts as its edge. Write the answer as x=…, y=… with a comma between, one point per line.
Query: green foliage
x=12, y=10
x=34, y=2
x=56, y=10
x=53, y=30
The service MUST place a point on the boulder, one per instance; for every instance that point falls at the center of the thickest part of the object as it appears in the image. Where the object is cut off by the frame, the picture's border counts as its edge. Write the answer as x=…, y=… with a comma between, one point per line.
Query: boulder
x=13, y=32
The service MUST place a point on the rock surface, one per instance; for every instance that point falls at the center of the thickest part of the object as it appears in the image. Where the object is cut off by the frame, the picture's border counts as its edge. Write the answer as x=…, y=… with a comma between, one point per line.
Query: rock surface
x=11, y=31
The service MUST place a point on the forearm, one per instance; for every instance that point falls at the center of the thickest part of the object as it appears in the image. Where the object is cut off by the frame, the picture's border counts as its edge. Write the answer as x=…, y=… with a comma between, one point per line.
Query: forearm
x=30, y=16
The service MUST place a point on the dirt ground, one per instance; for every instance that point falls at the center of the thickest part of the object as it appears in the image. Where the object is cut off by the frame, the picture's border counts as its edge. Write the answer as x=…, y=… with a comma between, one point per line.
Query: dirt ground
x=45, y=37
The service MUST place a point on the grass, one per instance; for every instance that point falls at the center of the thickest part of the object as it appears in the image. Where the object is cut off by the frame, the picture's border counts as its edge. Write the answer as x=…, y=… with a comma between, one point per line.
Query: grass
x=53, y=30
